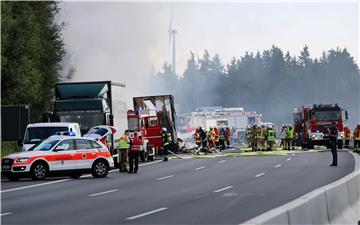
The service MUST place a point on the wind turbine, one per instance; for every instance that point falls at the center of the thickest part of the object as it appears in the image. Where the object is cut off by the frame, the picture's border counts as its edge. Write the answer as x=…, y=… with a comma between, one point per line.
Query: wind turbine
x=172, y=33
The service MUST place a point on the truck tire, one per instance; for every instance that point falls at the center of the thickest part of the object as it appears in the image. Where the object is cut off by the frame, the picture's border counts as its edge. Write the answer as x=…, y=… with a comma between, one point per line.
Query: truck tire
x=100, y=168
x=39, y=171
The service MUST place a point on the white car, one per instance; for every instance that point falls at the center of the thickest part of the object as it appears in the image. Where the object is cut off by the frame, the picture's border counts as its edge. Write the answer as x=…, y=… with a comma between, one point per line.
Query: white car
x=59, y=155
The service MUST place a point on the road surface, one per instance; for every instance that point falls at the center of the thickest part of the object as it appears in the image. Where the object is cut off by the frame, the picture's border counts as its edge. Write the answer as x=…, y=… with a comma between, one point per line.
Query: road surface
x=223, y=190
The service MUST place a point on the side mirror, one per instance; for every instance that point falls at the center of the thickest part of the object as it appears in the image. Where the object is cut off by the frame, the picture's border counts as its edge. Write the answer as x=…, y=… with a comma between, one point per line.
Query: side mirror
x=59, y=148
x=346, y=115
x=19, y=142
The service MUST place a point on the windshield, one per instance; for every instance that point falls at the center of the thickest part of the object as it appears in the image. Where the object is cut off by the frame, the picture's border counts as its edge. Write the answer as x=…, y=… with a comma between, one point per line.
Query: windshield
x=133, y=124
x=327, y=115
x=86, y=121
x=46, y=145
x=99, y=131
x=37, y=134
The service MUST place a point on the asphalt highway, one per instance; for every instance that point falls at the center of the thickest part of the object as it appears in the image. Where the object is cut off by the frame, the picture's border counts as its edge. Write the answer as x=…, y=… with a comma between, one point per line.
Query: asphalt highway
x=222, y=190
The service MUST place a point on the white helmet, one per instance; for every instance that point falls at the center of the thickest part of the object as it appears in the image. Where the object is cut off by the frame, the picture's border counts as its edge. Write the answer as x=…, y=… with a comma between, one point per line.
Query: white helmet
x=164, y=129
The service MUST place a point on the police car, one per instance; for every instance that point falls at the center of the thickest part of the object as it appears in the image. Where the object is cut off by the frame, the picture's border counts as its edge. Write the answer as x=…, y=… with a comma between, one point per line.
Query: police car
x=59, y=155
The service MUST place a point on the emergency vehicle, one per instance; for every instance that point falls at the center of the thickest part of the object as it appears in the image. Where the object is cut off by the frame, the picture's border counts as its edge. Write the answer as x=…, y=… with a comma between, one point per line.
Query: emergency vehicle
x=150, y=115
x=311, y=124
x=59, y=155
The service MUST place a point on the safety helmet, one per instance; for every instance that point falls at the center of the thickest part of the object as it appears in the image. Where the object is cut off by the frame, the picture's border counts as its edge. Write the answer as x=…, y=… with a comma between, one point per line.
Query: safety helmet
x=164, y=129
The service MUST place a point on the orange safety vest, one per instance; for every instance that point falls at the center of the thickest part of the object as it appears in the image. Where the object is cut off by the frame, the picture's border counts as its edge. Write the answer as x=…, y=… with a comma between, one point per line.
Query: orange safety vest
x=347, y=133
x=216, y=135
x=137, y=145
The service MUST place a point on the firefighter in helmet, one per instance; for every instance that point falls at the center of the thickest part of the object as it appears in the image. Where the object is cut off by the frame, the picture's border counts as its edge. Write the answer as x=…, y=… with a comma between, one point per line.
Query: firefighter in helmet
x=166, y=141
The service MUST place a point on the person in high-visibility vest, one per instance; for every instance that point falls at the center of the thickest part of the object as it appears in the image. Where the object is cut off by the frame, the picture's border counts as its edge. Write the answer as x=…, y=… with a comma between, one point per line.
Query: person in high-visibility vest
x=357, y=137
x=291, y=137
x=124, y=144
x=166, y=141
x=262, y=137
x=134, y=153
x=210, y=137
x=197, y=137
x=270, y=138
x=347, y=136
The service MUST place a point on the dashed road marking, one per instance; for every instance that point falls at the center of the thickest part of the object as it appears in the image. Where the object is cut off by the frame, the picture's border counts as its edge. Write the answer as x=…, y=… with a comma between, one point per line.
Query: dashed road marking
x=260, y=174
x=222, y=161
x=102, y=193
x=200, y=168
x=34, y=185
x=278, y=165
x=222, y=189
x=147, y=213
x=5, y=214
x=162, y=178
x=288, y=159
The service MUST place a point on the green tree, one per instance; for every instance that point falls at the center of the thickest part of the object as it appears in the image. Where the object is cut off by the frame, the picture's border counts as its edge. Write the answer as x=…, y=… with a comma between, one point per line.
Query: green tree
x=31, y=52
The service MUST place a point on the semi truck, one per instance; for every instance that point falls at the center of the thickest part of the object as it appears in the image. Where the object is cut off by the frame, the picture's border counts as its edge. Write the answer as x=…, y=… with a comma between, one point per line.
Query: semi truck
x=311, y=124
x=92, y=104
x=150, y=115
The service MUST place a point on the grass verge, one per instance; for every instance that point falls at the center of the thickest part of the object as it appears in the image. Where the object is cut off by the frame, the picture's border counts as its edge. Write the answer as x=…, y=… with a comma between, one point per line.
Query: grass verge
x=8, y=147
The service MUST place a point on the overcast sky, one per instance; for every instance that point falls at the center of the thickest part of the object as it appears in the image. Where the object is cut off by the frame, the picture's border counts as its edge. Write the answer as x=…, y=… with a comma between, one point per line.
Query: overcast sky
x=123, y=41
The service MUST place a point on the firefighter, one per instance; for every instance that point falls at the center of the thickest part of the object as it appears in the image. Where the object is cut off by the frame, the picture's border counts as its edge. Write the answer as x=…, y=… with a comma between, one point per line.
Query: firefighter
x=216, y=137
x=356, y=136
x=210, y=138
x=258, y=138
x=228, y=136
x=134, y=153
x=254, y=135
x=270, y=137
x=197, y=138
x=248, y=136
x=262, y=137
x=124, y=144
x=347, y=134
x=165, y=143
x=222, y=133
x=203, y=139
x=290, y=137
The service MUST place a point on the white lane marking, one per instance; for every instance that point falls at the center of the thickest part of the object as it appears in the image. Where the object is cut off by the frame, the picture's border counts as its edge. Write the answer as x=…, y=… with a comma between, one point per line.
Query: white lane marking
x=162, y=178
x=102, y=193
x=5, y=214
x=58, y=181
x=200, y=168
x=222, y=189
x=278, y=165
x=147, y=213
x=260, y=174
x=222, y=161
x=288, y=159
x=34, y=185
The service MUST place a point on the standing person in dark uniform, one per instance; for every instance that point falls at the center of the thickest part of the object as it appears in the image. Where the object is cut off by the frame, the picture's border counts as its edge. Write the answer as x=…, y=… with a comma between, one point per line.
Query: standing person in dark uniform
x=165, y=144
x=134, y=153
x=333, y=133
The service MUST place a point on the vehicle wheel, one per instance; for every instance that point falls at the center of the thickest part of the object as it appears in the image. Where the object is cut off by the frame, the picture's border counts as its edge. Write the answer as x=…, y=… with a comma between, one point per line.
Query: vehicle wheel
x=142, y=156
x=39, y=171
x=75, y=175
x=12, y=177
x=151, y=158
x=100, y=169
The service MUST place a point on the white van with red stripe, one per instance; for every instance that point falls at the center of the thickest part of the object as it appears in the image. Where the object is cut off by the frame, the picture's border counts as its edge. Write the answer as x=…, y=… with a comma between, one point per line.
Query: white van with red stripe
x=59, y=155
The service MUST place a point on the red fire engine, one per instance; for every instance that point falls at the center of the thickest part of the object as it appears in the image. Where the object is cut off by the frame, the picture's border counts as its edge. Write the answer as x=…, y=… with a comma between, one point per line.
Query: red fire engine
x=311, y=124
x=150, y=115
